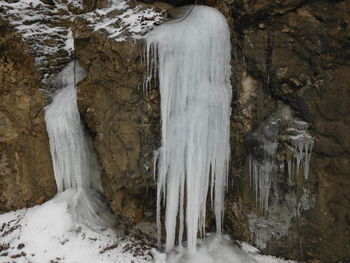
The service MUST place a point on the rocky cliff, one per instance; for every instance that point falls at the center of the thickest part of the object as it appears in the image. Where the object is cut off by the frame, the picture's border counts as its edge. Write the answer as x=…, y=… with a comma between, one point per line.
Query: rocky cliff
x=294, y=52
x=290, y=77
x=26, y=175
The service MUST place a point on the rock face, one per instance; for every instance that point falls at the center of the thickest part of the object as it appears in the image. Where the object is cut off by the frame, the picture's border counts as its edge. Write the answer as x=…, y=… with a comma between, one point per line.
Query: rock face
x=277, y=59
x=123, y=119
x=295, y=52
x=35, y=43
x=26, y=175
x=285, y=54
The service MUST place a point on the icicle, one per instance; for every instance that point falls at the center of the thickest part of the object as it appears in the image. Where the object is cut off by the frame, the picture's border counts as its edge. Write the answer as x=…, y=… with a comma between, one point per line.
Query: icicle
x=290, y=172
x=261, y=172
x=192, y=56
x=302, y=146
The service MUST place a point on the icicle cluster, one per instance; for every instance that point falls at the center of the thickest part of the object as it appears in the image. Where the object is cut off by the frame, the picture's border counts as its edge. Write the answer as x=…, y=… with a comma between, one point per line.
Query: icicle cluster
x=191, y=57
x=302, y=144
x=262, y=145
x=261, y=171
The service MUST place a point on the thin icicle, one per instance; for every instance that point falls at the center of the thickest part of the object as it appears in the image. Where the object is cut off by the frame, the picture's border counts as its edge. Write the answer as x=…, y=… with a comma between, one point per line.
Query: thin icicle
x=261, y=171
x=262, y=155
x=192, y=57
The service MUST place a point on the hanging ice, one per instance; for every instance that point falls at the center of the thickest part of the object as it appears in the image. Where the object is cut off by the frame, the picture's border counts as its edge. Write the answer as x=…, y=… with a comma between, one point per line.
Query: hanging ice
x=192, y=58
x=74, y=163
x=261, y=172
x=263, y=145
x=263, y=148
x=302, y=144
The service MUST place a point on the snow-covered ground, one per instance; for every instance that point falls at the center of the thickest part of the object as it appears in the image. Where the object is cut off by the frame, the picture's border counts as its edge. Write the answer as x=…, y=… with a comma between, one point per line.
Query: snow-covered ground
x=47, y=233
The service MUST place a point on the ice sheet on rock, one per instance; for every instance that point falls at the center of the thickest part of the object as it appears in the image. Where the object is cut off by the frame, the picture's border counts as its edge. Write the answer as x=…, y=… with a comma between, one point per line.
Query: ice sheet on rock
x=262, y=155
x=263, y=145
x=191, y=58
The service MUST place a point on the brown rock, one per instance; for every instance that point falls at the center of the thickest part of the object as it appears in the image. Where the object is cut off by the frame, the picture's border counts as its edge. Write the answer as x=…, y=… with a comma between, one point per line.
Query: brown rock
x=25, y=163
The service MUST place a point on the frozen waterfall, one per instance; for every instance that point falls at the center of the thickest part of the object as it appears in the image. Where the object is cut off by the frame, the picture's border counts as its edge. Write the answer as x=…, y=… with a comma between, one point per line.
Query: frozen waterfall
x=73, y=162
x=191, y=57
x=75, y=165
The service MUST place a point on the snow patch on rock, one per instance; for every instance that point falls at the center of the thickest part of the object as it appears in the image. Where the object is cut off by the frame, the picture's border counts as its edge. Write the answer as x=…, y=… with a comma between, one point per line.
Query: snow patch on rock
x=120, y=20
x=45, y=29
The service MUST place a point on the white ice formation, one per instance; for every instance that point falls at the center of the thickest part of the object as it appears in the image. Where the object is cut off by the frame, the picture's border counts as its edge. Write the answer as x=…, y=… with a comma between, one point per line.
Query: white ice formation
x=262, y=159
x=263, y=145
x=191, y=57
x=74, y=162
x=302, y=144
x=261, y=172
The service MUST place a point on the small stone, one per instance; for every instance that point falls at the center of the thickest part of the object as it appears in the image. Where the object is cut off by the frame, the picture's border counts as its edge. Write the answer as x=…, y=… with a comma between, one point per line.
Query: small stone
x=20, y=246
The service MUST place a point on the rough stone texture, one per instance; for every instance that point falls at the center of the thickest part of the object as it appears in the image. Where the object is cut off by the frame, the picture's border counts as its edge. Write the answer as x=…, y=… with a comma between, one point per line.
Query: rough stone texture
x=123, y=121
x=293, y=51
x=296, y=52
x=26, y=176
x=47, y=37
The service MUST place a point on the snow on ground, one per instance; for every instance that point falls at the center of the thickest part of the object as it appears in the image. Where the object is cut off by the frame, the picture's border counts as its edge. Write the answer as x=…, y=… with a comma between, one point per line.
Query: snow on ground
x=214, y=249
x=47, y=234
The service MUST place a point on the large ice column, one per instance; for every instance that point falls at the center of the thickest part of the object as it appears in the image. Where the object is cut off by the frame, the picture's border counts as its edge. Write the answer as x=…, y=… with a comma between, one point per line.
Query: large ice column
x=191, y=57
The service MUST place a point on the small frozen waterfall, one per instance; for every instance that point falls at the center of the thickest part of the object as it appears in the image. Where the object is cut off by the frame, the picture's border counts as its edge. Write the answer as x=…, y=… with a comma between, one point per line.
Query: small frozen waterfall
x=277, y=130
x=191, y=57
x=75, y=165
